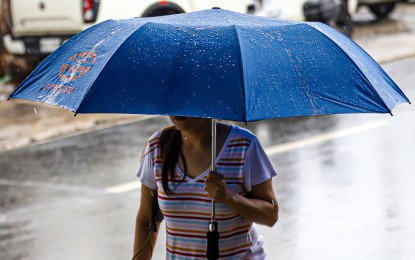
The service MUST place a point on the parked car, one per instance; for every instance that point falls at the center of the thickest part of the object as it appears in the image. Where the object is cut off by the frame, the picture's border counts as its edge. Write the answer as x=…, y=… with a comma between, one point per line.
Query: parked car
x=40, y=27
x=380, y=8
x=336, y=13
x=332, y=12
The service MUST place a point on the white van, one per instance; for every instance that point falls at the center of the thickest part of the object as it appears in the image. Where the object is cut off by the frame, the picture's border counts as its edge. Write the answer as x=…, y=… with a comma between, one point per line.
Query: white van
x=41, y=26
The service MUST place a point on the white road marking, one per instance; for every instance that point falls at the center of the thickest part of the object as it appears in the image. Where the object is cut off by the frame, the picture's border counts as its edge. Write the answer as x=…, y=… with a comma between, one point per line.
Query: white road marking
x=281, y=148
x=126, y=187
x=49, y=185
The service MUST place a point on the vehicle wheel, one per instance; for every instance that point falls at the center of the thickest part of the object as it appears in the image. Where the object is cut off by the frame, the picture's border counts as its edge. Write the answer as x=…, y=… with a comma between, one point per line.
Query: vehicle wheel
x=162, y=12
x=382, y=10
x=343, y=22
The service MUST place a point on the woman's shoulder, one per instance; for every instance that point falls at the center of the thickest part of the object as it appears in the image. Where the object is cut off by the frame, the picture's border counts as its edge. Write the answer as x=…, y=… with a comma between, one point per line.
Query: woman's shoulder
x=242, y=133
x=155, y=136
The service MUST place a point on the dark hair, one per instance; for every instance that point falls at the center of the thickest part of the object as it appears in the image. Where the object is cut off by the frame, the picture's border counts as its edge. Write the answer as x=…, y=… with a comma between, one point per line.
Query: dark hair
x=170, y=145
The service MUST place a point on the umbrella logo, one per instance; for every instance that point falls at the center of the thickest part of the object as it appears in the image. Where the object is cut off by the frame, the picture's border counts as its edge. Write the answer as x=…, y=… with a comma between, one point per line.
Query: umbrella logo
x=77, y=66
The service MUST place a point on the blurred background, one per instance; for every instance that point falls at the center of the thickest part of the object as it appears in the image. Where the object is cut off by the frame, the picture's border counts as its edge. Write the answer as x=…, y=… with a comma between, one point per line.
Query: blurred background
x=67, y=184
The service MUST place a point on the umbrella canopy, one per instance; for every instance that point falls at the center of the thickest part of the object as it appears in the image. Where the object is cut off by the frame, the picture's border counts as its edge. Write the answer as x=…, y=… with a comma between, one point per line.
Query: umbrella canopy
x=213, y=63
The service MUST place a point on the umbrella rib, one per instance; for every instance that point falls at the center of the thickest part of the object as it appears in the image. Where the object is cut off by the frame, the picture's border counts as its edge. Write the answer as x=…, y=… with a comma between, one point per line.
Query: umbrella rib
x=354, y=62
x=241, y=73
x=308, y=96
x=241, y=69
x=343, y=104
x=88, y=92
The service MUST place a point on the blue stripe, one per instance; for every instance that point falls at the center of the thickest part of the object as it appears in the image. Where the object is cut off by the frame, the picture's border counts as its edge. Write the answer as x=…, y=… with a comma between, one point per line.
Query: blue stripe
x=187, y=239
x=181, y=204
x=234, y=238
x=185, y=185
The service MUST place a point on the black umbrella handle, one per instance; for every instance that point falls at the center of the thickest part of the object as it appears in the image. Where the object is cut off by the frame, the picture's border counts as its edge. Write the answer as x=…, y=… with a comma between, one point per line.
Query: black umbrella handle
x=212, y=252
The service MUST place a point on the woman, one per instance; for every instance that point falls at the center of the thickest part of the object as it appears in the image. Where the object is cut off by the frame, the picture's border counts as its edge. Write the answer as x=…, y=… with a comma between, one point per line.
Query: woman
x=176, y=163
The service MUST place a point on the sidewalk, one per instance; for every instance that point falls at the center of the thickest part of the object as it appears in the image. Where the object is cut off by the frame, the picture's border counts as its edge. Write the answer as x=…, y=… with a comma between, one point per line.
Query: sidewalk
x=23, y=123
x=390, y=48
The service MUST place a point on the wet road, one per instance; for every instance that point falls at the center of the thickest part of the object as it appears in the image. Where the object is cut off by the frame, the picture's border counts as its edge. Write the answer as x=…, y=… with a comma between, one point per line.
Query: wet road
x=345, y=187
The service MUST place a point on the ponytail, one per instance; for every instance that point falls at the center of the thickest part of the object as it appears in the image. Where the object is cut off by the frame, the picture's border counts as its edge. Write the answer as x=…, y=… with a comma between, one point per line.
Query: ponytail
x=170, y=145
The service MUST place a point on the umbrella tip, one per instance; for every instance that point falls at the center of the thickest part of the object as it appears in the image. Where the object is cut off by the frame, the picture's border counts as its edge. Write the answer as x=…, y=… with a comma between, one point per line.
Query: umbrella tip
x=216, y=7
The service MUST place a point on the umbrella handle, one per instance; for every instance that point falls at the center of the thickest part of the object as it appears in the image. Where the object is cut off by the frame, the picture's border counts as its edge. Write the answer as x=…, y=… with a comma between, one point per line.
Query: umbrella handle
x=212, y=252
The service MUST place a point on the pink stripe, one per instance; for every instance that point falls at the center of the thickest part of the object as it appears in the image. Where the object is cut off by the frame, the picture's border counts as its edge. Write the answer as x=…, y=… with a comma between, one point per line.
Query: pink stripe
x=183, y=235
x=184, y=254
x=187, y=199
x=199, y=218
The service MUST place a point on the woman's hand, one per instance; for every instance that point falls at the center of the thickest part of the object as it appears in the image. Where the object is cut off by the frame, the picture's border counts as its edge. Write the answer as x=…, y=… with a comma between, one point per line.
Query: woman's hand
x=216, y=187
x=259, y=205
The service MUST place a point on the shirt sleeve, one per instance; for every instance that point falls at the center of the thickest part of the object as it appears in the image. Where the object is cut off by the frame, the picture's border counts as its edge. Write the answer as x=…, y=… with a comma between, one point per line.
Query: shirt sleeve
x=146, y=169
x=257, y=166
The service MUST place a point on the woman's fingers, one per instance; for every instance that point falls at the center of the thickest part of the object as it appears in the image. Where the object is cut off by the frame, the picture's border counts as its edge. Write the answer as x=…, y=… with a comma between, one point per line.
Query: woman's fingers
x=212, y=185
x=215, y=176
x=215, y=186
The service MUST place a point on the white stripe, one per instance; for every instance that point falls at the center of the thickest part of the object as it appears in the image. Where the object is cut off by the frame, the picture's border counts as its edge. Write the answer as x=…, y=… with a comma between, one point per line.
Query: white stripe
x=126, y=187
x=281, y=148
x=48, y=185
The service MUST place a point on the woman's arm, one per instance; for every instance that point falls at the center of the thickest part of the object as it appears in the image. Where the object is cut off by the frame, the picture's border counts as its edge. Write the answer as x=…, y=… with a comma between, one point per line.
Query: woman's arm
x=259, y=206
x=142, y=225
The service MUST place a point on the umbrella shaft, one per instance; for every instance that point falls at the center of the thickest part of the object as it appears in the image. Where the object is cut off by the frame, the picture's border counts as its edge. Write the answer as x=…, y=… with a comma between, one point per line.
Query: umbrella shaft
x=213, y=157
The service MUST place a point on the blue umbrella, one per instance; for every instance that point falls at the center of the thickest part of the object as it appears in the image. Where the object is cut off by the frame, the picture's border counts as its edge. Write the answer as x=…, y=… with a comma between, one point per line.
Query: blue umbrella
x=215, y=64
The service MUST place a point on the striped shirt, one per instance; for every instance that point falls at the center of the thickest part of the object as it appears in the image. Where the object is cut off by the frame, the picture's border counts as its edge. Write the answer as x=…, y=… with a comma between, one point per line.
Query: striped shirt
x=244, y=163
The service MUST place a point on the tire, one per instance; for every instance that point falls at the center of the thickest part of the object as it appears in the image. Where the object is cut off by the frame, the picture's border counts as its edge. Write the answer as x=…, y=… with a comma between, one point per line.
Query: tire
x=163, y=11
x=343, y=22
x=160, y=10
x=382, y=10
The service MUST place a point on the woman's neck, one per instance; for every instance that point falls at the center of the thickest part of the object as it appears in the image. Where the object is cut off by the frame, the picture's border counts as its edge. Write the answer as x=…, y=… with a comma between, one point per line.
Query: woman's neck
x=197, y=137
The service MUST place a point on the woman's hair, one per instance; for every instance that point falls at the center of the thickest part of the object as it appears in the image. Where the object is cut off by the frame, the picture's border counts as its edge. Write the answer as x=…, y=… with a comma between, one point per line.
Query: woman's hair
x=170, y=145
